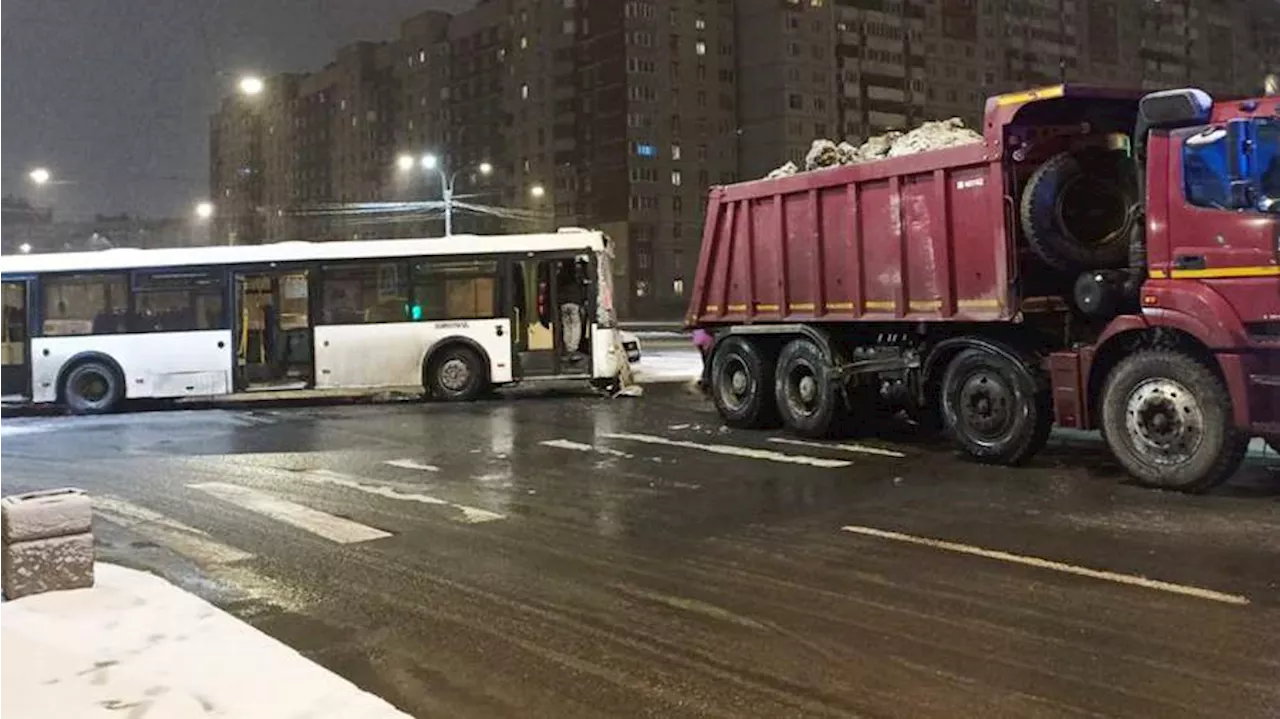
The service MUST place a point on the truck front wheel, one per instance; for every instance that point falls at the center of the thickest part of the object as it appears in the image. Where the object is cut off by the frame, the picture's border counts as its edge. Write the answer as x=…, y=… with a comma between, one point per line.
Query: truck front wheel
x=1167, y=418
x=993, y=409
x=742, y=384
x=809, y=405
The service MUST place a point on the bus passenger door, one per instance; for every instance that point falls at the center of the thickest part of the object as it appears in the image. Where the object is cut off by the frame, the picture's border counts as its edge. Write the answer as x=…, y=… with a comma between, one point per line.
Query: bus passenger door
x=272, y=330
x=16, y=374
x=534, y=327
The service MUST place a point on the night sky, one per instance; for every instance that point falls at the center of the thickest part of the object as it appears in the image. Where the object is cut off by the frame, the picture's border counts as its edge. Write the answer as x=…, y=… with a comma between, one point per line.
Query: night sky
x=113, y=96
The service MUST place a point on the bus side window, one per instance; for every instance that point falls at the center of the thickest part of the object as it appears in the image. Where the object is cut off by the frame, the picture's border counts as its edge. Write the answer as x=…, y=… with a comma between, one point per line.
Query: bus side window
x=176, y=302
x=446, y=289
x=364, y=293
x=85, y=304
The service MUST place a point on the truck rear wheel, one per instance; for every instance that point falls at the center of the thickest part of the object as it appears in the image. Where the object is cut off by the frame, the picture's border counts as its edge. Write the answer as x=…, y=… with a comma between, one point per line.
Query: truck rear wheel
x=1167, y=418
x=807, y=402
x=992, y=409
x=1075, y=210
x=742, y=384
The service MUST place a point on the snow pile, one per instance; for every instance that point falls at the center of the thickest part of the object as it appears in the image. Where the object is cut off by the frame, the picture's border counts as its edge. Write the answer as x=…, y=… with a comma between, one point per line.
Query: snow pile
x=926, y=137
x=934, y=136
x=136, y=645
x=787, y=169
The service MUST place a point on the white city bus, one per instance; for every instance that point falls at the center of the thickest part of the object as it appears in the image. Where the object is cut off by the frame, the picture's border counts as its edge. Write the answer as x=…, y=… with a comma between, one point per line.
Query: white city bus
x=452, y=316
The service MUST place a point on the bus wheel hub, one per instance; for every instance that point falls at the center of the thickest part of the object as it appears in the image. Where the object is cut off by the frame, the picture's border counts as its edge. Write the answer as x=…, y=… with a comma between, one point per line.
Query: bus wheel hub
x=1164, y=420
x=454, y=375
x=738, y=382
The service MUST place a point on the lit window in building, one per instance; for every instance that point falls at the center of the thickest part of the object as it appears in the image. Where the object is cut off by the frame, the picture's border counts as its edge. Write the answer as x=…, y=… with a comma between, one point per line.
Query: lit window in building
x=645, y=150
x=524, y=42
x=675, y=151
x=676, y=178
x=700, y=47
x=524, y=92
x=677, y=287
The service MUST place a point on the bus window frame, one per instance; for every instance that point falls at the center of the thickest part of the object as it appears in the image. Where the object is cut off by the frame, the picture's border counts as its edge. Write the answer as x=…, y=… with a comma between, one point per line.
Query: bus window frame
x=218, y=272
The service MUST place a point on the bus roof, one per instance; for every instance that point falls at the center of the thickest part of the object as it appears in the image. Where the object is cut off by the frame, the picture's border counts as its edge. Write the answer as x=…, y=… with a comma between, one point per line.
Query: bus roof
x=126, y=258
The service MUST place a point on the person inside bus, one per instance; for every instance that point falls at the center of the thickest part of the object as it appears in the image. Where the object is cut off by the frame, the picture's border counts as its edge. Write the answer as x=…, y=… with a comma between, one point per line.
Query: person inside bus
x=573, y=300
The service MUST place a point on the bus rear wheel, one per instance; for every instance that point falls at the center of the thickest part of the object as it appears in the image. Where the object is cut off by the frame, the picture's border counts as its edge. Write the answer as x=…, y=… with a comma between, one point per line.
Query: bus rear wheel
x=92, y=388
x=456, y=374
x=1167, y=419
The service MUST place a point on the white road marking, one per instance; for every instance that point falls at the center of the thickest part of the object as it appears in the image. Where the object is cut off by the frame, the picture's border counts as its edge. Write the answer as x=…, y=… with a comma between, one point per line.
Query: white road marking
x=864, y=449
x=581, y=447
x=181, y=538
x=411, y=464
x=1130, y=579
x=335, y=529
x=471, y=515
x=733, y=451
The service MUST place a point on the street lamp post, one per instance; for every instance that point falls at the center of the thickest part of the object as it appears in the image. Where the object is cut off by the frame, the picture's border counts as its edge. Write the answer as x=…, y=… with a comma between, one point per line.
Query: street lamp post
x=431, y=163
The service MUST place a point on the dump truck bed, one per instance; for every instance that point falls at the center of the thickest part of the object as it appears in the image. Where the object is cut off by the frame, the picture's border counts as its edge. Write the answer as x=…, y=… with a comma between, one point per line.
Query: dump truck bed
x=920, y=237
x=927, y=237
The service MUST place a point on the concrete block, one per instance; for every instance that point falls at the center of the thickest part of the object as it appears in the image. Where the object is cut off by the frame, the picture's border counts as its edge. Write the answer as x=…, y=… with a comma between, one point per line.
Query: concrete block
x=46, y=565
x=48, y=513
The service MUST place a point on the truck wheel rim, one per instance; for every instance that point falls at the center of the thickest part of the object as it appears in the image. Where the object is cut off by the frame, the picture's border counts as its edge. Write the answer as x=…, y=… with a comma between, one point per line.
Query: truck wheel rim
x=454, y=375
x=802, y=390
x=1164, y=420
x=986, y=403
x=735, y=390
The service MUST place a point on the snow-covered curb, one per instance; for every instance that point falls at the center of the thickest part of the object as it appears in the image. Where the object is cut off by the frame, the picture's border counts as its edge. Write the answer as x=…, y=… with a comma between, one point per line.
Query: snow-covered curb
x=135, y=644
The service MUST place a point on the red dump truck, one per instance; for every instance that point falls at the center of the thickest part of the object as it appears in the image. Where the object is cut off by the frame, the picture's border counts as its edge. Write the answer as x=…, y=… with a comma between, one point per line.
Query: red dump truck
x=1101, y=260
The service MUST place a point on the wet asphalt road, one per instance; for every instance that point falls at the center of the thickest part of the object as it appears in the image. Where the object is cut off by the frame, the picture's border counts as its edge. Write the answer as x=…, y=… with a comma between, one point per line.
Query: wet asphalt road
x=563, y=555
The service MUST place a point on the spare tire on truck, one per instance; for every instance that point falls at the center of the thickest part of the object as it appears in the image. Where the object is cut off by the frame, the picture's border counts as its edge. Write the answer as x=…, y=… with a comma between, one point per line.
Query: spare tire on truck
x=1076, y=209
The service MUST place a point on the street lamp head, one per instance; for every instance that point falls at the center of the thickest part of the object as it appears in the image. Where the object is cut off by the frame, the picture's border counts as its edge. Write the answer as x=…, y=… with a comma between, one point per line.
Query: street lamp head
x=24, y=248
x=537, y=191
x=429, y=162
x=404, y=162
x=251, y=85
x=40, y=176
x=485, y=168
x=204, y=210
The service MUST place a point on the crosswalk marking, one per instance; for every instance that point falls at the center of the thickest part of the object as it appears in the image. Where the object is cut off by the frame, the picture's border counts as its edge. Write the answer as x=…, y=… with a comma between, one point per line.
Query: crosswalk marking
x=581, y=447
x=732, y=450
x=336, y=529
x=411, y=464
x=471, y=515
x=185, y=540
x=864, y=449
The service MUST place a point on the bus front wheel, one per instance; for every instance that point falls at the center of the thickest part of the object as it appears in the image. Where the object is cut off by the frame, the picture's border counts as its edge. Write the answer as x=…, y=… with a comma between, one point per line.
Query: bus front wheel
x=92, y=388
x=456, y=374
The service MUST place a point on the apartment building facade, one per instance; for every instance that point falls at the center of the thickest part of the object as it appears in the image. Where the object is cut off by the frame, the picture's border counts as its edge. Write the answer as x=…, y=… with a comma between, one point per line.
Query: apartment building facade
x=854, y=68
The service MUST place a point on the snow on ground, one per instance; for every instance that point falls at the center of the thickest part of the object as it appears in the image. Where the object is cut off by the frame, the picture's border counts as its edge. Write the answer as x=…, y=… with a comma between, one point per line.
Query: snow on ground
x=135, y=645
x=668, y=366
